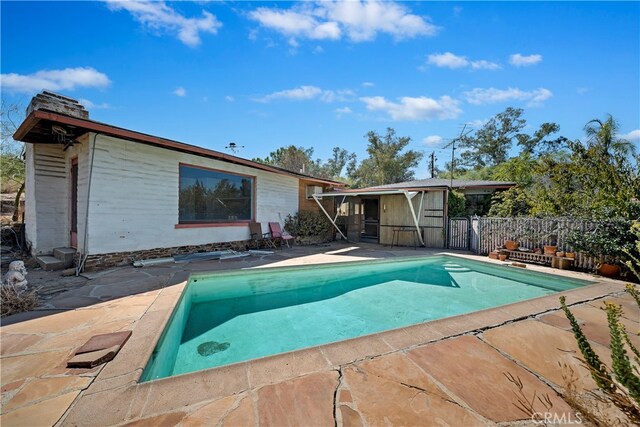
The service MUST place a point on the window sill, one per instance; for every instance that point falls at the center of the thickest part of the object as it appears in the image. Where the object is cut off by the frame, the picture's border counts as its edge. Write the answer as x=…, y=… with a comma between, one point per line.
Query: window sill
x=214, y=224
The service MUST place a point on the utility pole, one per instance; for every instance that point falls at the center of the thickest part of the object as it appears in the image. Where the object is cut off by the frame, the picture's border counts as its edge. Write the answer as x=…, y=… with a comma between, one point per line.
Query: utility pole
x=432, y=164
x=453, y=150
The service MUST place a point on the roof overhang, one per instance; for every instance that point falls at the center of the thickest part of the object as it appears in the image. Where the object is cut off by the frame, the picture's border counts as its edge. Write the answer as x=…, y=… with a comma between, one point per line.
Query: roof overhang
x=374, y=192
x=348, y=193
x=36, y=129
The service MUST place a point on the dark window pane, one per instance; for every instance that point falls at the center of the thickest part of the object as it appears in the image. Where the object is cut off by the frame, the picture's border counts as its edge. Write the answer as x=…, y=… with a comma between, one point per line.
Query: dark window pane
x=210, y=196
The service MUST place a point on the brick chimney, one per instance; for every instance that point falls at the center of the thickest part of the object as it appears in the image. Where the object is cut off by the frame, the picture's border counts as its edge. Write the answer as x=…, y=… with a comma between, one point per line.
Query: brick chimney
x=57, y=103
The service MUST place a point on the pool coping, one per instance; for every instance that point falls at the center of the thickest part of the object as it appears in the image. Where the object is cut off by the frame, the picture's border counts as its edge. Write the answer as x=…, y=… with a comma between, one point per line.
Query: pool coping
x=117, y=388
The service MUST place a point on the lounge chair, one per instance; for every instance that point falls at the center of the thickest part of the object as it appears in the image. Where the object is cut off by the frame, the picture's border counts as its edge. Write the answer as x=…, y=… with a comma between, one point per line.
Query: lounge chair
x=257, y=236
x=278, y=234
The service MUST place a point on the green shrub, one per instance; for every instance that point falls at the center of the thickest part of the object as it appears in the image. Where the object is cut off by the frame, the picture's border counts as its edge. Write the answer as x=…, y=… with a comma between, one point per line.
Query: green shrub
x=456, y=204
x=309, y=227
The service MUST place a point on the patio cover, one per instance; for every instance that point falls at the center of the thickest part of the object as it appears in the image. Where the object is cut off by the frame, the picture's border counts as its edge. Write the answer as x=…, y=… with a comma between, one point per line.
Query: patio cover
x=344, y=194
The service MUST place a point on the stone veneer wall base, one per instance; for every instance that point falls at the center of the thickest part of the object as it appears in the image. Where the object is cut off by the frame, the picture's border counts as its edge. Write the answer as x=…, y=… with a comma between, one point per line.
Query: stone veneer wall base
x=118, y=259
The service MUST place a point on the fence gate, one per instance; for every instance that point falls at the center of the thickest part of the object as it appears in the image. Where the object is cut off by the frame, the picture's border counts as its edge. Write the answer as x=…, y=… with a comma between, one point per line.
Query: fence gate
x=458, y=235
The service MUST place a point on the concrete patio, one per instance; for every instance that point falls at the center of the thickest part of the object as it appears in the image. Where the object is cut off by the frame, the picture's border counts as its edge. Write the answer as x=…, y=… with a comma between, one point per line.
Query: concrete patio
x=446, y=372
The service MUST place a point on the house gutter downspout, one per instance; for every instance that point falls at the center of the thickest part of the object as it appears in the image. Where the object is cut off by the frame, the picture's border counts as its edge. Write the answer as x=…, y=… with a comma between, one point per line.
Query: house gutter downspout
x=85, y=244
x=415, y=218
x=329, y=217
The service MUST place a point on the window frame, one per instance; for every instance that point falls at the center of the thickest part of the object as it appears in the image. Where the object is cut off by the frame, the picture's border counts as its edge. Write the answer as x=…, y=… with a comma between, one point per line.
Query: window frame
x=222, y=223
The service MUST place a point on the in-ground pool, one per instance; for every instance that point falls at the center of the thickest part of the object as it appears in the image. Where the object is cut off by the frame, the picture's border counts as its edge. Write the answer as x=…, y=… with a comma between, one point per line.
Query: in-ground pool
x=224, y=318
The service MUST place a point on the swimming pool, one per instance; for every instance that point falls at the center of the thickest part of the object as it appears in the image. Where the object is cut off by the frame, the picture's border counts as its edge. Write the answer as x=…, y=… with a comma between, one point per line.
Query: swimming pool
x=225, y=318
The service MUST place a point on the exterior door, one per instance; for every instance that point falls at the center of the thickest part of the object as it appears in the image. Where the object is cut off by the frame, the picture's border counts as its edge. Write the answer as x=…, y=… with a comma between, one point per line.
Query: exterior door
x=73, y=209
x=371, y=219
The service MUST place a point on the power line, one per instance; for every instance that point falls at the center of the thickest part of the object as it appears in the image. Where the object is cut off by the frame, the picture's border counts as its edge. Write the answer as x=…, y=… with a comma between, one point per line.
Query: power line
x=453, y=149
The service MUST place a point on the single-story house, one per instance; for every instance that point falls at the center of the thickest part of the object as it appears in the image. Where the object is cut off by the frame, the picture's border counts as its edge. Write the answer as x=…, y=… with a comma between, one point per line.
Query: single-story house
x=403, y=213
x=117, y=195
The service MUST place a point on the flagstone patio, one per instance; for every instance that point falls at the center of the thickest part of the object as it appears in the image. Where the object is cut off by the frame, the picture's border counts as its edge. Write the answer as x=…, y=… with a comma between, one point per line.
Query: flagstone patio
x=446, y=372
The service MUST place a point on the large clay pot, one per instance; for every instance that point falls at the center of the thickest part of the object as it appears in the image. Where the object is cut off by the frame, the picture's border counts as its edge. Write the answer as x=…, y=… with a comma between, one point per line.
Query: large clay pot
x=609, y=270
x=550, y=250
x=511, y=245
x=571, y=255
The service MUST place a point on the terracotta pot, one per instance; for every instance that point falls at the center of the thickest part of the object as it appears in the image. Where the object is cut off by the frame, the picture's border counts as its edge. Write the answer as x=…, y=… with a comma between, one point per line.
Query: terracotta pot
x=571, y=255
x=537, y=251
x=511, y=245
x=560, y=254
x=609, y=270
x=550, y=250
x=503, y=257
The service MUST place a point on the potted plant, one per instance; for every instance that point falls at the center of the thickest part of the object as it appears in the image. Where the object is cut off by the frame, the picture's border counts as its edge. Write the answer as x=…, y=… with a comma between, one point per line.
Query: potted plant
x=606, y=242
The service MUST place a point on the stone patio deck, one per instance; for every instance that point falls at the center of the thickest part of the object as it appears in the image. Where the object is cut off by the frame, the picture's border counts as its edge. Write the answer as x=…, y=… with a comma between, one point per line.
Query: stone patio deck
x=445, y=372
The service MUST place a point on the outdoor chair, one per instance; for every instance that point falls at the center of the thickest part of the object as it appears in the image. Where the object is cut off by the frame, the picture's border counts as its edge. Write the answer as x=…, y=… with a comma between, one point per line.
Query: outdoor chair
x=257, y=236
x=278, y=234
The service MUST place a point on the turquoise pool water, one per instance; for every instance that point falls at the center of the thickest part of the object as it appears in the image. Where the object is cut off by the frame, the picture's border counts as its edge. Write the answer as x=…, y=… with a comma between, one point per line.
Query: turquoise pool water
x=224, y=318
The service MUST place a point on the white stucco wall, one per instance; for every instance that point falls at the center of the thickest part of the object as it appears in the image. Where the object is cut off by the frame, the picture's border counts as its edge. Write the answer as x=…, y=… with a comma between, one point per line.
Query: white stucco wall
x=134, y=198
x=47, y=194
x=30, y=207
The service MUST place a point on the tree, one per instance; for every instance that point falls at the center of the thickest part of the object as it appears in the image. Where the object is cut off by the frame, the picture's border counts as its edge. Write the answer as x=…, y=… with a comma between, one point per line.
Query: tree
x=386, y=163
x=491, y=143
x=597, y=179
x=11, y=153
x=333, y=167
x=604, y=137
x=292, y=158
x=299, y=160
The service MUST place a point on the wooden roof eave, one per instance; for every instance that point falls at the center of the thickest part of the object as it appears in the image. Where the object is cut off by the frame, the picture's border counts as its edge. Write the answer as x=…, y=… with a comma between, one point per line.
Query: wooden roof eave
x=37, y=116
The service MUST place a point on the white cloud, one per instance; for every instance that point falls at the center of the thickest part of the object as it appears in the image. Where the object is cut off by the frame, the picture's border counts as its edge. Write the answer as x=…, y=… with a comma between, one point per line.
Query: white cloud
x=180, y=91
x=477, y=123
x=298, y=94
x=582, y=90
x=453, y=61
x=305, y=93
x=633, y=136
x=93, y=106
x=415, y=108
x=447, y=60
x=519, y=60
x=356, y=20
x=337, y=95
x=56, y=80
x=342, y=111
x=157, y=16
x=296, y=24
x=485, y=65
x=368, y=84
x=492, y=95
x=318, y=49
x=432, y=140
x=229, y=98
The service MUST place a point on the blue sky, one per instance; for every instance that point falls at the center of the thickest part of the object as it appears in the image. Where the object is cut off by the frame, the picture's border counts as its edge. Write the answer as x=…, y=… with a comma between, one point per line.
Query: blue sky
x=271, y=74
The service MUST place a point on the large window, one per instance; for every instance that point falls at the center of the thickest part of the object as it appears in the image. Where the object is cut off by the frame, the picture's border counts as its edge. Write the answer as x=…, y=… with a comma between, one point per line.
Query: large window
x=214, y=196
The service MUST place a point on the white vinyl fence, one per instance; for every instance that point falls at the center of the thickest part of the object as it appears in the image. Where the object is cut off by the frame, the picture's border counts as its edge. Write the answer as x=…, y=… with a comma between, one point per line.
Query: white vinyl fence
x=488, y=234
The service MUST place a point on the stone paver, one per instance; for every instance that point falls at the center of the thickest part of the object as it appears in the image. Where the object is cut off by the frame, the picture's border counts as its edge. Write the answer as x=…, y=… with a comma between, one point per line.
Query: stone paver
x=475, y=373
x=392, y=390
x=304, y=400
x=213, y=413
x=593, y=322
x=45, y=413
x=550, y=352
x=42, y=388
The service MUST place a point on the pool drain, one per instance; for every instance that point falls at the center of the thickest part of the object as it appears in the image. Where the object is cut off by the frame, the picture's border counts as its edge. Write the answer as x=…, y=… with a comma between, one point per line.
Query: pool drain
x=212, y=347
